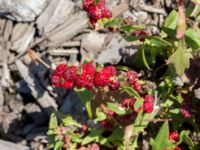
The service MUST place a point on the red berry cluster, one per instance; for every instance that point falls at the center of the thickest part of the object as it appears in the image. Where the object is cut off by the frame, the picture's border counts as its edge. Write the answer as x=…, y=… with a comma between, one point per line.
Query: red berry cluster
x=148, y=104
x=174, y=137
x=133, y=80
x=96, y=10
x=84, y=76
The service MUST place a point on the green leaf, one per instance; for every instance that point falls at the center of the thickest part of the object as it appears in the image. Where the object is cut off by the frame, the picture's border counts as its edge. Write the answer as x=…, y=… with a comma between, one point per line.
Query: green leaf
x=180, y=59
x=142, y=122
x=100, y=115
x=86, y=97
x=132, y=28
x=53, y=123
x=93, y=136
x=112, y=22
x=138, y=104
x=122, y=68
x=171, y=23
x=156, y=41
x=116, y=108
x=68, y=120
x=58, y=145
x=117, y=135
x=192, y=38
x=162, y=139
x=184, y=137
x=129, y=90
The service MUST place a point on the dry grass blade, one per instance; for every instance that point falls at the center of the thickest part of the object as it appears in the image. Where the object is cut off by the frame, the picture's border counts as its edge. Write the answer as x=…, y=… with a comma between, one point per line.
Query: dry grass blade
x=34, y=57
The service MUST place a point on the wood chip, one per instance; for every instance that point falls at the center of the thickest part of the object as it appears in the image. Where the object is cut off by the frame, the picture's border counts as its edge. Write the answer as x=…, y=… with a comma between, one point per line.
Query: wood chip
x=4, y=145
x=22, y=36
x=55, y=14
x=75, y=24
x=22, y=10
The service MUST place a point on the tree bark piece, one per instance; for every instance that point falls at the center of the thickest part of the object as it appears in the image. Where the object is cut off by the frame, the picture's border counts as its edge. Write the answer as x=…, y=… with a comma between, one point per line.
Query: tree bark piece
x=22, y=10
x=56, y=13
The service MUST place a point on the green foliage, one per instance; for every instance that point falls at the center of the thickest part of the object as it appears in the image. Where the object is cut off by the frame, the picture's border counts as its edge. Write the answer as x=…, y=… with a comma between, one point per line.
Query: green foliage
x=162, y=139
x=69, y=121
x=170, y=24
x=100, y=115
x=116, y=108
x=180, y=59
x=192, y=38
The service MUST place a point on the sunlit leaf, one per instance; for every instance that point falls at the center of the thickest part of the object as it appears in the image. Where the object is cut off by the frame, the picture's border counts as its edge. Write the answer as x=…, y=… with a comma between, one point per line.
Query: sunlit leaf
x=100, y=115
x=180, y=59
x=68, y=120
x=192, y=38
x=170, y=24
x=53, y=123
x=116, y=108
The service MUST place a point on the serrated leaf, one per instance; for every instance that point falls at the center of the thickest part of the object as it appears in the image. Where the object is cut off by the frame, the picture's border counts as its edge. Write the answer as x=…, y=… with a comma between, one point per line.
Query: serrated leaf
x=162, y=139
x=180, y=59
x=171, y=23
x=192, y=38
x=116, y=108
x=100, y=115
x=86, y=97
x=69, y=121
x=53, y=123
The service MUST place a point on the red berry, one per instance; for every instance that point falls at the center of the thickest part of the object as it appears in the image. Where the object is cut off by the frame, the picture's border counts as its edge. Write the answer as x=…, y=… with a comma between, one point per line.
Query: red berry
x=66, y=84
x=85, y=79
x=105, y=76
x=87, y=4
x=148, y=107
x=137, y=87
x=177, y=148
x=114, y=85
x=55, y=80
x=96, y=11
x=174, y=136
x=60, y=69
x=132, y=76
x=149, y=98
x=128, y=102
x=70, y=73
